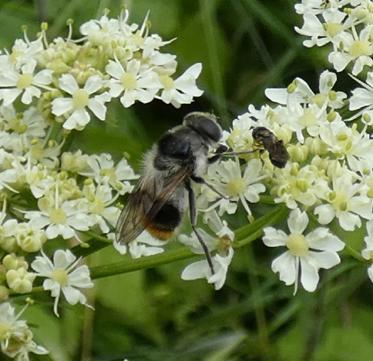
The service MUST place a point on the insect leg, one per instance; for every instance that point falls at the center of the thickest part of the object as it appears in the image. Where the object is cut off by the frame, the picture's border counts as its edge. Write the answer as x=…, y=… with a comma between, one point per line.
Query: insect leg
x=203, y=181
x=232, y=154
x=218, y=152
x=193, y=221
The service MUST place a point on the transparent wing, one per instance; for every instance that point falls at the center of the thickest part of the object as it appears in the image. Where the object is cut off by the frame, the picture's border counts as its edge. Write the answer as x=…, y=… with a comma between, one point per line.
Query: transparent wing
x=145, y=202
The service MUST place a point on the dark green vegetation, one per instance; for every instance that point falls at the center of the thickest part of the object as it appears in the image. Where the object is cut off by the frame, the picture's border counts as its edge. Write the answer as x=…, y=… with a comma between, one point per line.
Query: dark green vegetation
x=245, y=46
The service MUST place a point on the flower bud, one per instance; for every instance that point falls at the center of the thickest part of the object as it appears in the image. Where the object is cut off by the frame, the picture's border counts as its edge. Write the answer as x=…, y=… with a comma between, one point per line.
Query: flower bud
x=4, y=293
x=298, y=152
x=20, y=280
x=30, y=239
x=12, y=262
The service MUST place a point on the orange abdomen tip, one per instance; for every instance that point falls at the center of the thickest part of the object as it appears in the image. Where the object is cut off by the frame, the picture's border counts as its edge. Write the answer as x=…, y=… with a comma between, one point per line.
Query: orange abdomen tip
x=161, y=234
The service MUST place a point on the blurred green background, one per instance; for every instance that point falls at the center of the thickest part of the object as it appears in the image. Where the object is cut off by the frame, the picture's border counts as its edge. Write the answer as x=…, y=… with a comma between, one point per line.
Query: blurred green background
x=245, y=46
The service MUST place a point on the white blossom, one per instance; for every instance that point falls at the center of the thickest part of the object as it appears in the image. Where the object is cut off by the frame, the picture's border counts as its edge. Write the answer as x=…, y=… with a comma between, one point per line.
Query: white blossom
x=63, y=275
x=14, y=83
x=183, y=89
x=143, y=245
x=220, y=246
x=132, y=82
x=75, y=107
x=228, y=179
x=305, y=254
x=347, y=201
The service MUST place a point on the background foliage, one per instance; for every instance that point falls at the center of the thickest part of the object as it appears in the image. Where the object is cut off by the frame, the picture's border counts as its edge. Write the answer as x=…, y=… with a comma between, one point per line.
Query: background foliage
x=245, y=47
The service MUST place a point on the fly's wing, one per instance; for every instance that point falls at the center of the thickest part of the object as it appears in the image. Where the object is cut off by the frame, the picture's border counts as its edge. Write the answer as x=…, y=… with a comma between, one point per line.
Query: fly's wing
x=145, y=202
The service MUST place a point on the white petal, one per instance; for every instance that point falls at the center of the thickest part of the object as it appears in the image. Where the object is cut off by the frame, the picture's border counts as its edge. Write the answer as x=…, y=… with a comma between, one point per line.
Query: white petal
x=29, y=93
x=196, y=270
x=9, y=95
x=80, y=277
x=62, y=259
x=114, y=69
x=73, y=296
x=68, y=83
x=41, y=266
x=62, y=105
x=327, y=81
x=277, y=95
x=325, y=213
x=98, y=108
x=309, y=276
x=44, y=77
x=93, y=84
x=362, y=206
x=325, y=259
x=274, y=237
x=360, y=98
x=349, y=221
x=285, y=265
x=323, y=240
x=297, y=221
x=77, y=120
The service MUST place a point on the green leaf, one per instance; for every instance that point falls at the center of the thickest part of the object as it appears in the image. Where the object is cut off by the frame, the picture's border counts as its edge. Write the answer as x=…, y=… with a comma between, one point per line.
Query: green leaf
x=49, y=332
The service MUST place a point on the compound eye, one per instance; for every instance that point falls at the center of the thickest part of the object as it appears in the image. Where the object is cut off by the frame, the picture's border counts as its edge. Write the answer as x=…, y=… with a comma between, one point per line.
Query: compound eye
x=205, y=124
x=174, y=147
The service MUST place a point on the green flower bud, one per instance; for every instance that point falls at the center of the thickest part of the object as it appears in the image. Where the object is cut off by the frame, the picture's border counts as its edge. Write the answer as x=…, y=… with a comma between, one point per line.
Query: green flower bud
x=29, y=239
x=20, y=281
x=4, y=293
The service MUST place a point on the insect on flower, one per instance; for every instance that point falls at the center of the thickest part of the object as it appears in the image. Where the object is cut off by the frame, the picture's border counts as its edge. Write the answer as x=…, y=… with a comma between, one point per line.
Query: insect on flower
x=159, y=200
x=266, y=140
x=275, y=147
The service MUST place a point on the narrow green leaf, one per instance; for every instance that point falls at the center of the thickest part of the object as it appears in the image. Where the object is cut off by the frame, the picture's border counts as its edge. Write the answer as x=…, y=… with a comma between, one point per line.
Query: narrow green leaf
x=270, y=20
x=252, y=231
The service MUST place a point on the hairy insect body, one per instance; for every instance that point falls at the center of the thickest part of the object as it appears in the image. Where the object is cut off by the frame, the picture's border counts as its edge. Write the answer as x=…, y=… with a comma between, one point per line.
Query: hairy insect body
x=159, y=200
x=278, y=154
x=178, y=148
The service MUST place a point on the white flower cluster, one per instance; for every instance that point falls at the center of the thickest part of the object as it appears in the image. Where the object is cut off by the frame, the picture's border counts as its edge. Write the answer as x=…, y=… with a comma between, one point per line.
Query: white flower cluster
x=71, y=80
x=329, y=173
x=48, y=191
x=344, y=24
x=16, y=338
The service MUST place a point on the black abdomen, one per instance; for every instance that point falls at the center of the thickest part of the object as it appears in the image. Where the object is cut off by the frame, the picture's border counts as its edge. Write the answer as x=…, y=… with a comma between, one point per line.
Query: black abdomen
x=168, y=218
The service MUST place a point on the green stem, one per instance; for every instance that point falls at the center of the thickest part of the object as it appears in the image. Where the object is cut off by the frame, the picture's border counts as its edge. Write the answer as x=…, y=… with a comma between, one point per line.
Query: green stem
x=141, y=263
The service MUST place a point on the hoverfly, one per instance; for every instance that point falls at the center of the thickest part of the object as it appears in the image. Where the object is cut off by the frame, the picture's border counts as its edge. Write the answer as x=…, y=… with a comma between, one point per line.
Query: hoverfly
x=159, y=200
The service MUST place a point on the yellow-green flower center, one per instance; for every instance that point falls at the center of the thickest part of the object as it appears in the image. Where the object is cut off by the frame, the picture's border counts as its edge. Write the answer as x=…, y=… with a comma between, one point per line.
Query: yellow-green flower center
x=167, y=82
x=302, y=184
x=57, y=216
x=24, y=81
x=339, y=200
x=297, y=245
x=360, y=48
x=129, y=81
x=4, y=329
x=308, y=118
x=98, y=206
x=235, y=187
x=108, y=172
x=60, y=276
x=333, y=29
x=342, y=137
x=80, y=99
x=319, y=99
